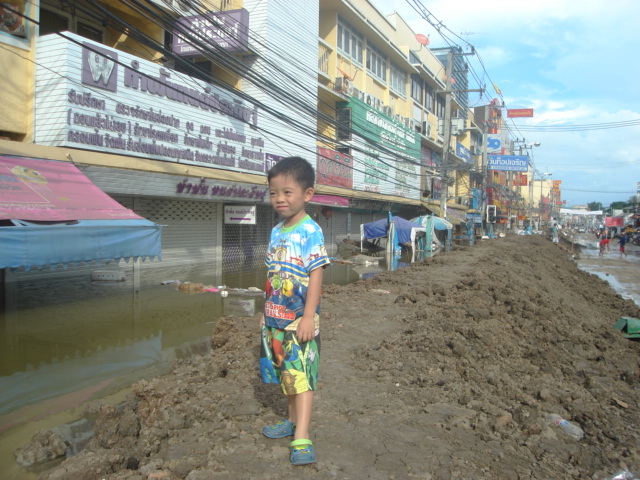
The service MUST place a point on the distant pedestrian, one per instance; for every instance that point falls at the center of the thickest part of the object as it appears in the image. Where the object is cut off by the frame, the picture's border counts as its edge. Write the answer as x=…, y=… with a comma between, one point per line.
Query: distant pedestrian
x=623, y=241
x=604, y=245
x=555, y=232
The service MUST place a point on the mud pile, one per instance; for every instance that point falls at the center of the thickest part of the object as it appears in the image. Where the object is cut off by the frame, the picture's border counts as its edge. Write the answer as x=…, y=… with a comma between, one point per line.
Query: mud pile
x=446, y=369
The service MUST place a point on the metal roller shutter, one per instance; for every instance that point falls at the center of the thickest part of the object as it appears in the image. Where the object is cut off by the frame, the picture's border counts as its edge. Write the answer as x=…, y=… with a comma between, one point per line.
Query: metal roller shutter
x=189, y=233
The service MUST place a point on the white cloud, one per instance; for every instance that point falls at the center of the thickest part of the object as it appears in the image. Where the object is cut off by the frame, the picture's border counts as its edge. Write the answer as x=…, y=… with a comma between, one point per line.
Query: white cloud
x=574, y=63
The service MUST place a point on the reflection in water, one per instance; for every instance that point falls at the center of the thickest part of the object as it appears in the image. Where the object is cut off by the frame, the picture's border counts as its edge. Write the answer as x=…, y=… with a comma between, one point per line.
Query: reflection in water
x=61, y=328
x=59, y=378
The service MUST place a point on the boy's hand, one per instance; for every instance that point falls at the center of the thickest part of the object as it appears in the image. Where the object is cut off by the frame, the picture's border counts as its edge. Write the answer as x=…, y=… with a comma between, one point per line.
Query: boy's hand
x=306, y=329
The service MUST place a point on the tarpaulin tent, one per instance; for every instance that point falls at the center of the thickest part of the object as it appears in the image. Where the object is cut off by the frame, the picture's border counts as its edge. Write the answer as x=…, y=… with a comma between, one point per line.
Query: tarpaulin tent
x=438, y=223
x=398, y=232
x=432, y=223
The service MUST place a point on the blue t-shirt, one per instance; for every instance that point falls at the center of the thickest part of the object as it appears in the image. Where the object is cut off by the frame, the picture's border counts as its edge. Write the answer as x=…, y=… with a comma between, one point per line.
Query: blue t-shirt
x=293, y=254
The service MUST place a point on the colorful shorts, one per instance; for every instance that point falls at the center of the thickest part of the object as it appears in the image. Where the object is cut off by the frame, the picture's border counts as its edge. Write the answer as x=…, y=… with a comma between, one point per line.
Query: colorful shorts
x=283, y=360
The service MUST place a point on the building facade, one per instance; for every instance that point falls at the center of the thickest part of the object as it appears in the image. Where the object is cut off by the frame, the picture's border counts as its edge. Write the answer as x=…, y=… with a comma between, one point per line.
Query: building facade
x=178, y=109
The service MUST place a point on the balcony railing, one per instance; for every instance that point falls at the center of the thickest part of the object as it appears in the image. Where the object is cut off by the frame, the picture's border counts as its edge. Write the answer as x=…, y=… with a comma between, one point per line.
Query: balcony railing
x=324, y=52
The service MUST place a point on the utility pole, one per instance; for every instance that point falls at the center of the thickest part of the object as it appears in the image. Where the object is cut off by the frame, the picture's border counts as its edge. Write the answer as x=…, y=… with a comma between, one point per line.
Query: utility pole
x=485, y=169
x=447, y=124
x=447, y=132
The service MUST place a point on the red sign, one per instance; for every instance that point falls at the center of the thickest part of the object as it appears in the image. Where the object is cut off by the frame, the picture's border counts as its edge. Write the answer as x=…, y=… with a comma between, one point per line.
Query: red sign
x=519, y=112
x=520, y=181
x=334, y=168
x=614, y=221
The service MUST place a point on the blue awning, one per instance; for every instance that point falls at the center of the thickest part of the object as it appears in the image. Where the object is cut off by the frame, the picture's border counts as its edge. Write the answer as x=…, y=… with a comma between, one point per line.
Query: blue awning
x=29, y=245
x=52, y=214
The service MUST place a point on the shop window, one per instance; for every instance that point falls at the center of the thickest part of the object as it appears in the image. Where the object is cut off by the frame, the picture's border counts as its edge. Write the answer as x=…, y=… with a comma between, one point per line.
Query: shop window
x=429, y=95
x=398, y=80
x=349, y=42
x=53, y=20
x=343, y=124
x=376, y=63
x=416, y=88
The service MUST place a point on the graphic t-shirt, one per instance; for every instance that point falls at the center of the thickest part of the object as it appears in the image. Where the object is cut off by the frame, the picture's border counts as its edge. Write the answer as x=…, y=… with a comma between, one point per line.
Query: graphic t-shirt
x=293, y=254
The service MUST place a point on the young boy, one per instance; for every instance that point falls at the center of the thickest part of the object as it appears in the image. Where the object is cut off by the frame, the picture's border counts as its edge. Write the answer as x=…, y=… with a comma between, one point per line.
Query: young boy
x=290, y=350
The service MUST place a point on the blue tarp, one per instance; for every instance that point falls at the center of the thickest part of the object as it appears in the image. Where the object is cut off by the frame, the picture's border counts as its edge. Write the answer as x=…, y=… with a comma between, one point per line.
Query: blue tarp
x=28, y=244
x=379, y=229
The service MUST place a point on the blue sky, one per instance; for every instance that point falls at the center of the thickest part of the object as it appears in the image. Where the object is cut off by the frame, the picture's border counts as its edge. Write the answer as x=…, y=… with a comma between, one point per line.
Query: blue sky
x=574, y=63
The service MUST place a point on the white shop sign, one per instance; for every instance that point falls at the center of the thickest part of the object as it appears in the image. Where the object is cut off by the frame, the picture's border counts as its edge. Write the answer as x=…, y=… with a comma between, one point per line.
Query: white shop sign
x=93, y=97
x=240, y=214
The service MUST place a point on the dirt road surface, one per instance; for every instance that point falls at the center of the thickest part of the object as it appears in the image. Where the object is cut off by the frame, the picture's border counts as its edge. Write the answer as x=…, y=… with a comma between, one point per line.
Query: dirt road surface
x=444, y=370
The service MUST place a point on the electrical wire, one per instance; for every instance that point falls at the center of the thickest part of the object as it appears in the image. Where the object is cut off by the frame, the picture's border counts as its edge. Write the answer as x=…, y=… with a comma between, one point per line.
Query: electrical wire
x=228, y=62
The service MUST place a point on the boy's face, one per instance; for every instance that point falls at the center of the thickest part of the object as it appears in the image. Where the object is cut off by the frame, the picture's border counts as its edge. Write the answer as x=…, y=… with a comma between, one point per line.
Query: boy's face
x=288, y=198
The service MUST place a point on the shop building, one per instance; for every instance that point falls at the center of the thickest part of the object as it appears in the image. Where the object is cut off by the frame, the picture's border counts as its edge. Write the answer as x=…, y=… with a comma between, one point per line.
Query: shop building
x=178, y=110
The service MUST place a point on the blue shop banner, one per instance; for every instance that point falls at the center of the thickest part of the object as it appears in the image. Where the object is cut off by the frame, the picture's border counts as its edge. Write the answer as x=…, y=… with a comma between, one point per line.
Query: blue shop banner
x=509, y=163
x=463, y=152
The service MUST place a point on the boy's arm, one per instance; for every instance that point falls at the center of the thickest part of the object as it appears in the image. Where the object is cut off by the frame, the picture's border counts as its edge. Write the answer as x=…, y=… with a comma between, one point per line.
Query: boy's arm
x=306, y=328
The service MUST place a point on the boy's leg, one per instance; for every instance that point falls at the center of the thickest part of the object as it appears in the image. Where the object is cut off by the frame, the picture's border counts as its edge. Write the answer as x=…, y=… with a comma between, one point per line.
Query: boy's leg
x=303, y=404
x=291, y=404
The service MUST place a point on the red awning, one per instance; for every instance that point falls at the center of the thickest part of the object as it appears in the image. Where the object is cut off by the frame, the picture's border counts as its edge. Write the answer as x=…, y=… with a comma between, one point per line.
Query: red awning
x=43, y=190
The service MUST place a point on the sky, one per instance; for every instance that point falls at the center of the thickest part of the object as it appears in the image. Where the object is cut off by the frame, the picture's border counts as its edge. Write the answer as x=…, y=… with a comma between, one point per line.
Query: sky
x=574, y=63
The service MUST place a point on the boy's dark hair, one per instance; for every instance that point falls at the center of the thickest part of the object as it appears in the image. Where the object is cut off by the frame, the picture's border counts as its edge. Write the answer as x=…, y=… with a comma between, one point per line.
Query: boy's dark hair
x=295, y=167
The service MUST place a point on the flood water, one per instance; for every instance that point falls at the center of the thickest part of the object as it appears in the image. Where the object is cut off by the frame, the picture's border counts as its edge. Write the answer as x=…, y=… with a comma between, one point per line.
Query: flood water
x=619, y=271
x=72, y=340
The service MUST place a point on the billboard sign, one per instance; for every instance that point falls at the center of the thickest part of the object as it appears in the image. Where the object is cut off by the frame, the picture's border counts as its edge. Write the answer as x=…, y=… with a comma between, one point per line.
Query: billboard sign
x=113, y=102
x=229, y=30
x=334, y=168
x=509, y=163
x=519, y=112
x=386, y=153
x=463, y=152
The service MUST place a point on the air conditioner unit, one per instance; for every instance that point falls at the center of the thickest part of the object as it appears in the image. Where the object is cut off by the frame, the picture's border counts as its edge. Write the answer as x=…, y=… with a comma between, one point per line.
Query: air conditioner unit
x=357, y=93
x=457, y=126
x=387, y=111
x=368, y=99
x=344, y=85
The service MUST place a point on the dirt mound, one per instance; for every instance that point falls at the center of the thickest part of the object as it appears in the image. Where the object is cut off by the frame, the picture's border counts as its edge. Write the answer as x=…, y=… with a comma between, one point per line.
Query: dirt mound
x=449, y=375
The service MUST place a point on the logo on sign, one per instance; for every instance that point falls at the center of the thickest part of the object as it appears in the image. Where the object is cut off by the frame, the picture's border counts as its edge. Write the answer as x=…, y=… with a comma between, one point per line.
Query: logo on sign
x=99, y=67
x=494, y=143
